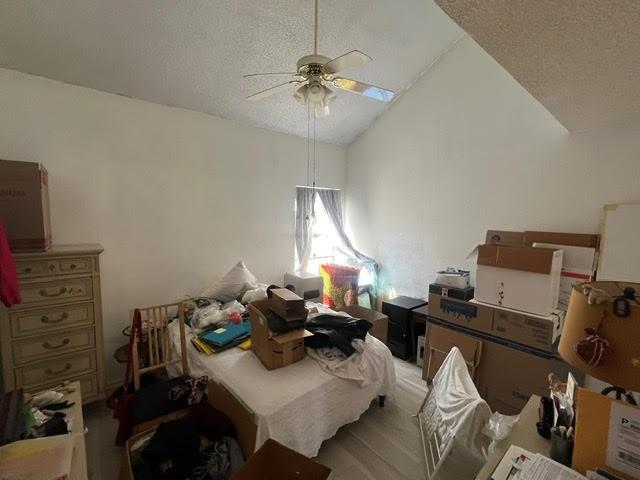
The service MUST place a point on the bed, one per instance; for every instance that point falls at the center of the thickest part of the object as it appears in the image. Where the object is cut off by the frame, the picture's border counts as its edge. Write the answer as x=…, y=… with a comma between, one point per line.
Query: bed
x=300, y=405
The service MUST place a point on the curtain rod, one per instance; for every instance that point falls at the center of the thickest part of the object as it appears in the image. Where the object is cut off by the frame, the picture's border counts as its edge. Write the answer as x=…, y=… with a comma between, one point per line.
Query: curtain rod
x=317, y=188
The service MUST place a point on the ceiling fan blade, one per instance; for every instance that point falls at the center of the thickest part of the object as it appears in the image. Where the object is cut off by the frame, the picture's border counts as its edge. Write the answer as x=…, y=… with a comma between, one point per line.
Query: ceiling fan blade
x=271, y=91
x=354, y=58
x=269, y=73
x=365, y=89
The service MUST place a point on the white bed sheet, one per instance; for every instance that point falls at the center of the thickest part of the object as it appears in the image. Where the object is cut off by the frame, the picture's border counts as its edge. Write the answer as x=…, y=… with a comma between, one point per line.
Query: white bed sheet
x=300, y=405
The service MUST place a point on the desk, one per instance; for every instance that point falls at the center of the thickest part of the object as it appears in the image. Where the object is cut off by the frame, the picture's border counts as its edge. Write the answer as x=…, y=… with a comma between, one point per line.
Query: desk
x=524, y=434
x=36, y=454
x=75, y=422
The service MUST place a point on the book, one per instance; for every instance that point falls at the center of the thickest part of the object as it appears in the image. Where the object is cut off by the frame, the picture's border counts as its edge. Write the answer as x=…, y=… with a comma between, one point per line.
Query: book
x=202, y=347
x=226, y=334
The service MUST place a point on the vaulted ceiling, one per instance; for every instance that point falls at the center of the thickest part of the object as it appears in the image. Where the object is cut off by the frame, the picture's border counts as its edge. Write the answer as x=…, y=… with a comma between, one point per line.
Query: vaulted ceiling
x=579, y=58
x=193, y=53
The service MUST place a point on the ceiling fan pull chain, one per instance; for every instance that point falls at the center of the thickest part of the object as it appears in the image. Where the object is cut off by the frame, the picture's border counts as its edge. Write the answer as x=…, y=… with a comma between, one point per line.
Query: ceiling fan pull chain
x=308, y=143
x=314, y=151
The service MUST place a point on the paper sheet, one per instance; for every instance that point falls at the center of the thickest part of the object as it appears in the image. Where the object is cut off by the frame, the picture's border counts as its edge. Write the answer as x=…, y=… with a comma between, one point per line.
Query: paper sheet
x=543, y=468
x=623, y=443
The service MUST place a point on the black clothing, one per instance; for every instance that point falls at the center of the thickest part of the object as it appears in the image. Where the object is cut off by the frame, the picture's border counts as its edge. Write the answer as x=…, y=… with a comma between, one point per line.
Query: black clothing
x=336, y=331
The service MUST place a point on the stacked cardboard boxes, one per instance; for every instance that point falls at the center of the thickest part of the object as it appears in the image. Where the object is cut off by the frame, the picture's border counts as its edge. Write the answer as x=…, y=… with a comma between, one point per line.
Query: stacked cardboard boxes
x=508, y=333
x=276, y=350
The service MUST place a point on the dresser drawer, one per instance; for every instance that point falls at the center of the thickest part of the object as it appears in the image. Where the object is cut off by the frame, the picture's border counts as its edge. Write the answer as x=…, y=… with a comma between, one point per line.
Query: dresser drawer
x=33, y=268
x=56, y=291
x=36, y=348
x=88, y=386
x=55, y=369
x=70, y=265
x=46, y=320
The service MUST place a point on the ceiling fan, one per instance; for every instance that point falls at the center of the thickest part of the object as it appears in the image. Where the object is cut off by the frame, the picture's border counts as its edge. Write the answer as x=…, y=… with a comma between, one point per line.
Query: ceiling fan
x=313, y=74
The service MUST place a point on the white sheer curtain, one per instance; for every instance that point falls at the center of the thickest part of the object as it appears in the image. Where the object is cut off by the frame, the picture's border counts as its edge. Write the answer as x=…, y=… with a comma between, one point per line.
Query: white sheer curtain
x=305, y=197
x=332, y=202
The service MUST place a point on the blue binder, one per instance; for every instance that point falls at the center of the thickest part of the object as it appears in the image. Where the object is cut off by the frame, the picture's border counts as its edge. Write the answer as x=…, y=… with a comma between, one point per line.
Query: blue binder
x=227, y=333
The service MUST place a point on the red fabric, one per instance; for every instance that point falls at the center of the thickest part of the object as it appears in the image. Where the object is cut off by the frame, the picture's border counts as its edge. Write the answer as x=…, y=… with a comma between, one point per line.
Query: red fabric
x=9, y=288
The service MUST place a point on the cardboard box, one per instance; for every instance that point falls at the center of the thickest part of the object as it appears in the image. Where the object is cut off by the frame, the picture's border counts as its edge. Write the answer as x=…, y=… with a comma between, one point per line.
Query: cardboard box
x=219, y=398
x=380, y=321
x=578, y=266
x=537, y=331
x=274, y=461
x=274, y=350
x=288, y=305
x=506, y=374
x=593, y=412
x=308, y=286
x=440, y=341
x=473, y=316
x=575, y=239
x=507, y=377
x=522, y=278
x=24, y=205
x=502, y=237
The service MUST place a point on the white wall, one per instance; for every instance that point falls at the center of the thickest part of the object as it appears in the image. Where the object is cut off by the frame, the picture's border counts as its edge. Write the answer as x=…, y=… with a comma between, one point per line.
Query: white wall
x=467, y=149
x=175, y=197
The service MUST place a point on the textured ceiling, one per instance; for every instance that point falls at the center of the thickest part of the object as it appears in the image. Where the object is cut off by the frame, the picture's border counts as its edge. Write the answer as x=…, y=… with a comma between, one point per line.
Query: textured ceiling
x=193, y=53
x=579, y=58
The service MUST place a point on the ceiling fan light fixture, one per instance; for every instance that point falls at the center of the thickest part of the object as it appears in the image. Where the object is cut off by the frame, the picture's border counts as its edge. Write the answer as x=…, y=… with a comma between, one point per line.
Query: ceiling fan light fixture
x=317, y=96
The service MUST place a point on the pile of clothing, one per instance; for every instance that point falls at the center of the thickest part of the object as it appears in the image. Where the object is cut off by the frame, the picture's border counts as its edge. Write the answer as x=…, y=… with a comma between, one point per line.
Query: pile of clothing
x=341, y=347
x=201, y=446
x=336, y=329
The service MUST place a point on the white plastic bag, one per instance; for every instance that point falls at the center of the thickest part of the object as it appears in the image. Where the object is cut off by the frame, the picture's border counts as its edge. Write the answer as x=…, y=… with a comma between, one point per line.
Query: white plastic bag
x=205, y=316
x=498, y=428
x=234, y=306
x=255, y=295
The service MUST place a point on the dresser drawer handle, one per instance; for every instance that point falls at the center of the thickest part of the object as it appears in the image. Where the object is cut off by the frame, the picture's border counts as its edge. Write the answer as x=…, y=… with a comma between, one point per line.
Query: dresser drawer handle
x=50, y=371
x=28, y=270
x=45, y=319
x=72, y=266
x=43, y=292
x=64, y=343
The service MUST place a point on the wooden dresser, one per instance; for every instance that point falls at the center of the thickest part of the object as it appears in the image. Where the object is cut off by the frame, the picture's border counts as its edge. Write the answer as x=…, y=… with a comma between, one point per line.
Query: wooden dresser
x=55, y=334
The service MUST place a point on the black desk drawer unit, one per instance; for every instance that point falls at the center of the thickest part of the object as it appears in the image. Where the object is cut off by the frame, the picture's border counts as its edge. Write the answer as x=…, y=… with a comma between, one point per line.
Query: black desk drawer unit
x=400, y=336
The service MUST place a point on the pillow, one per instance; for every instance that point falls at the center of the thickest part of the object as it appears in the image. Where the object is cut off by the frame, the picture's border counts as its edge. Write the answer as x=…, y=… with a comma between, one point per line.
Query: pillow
x=237, y=281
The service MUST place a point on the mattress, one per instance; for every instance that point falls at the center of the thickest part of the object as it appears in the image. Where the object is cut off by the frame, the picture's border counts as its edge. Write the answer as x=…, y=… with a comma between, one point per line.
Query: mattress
x=300, y=405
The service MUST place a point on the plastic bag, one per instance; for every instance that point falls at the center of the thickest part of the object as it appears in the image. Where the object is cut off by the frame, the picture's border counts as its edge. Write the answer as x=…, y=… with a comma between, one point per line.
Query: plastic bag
x=255, y=295
x=205, y=316
x=233, y=306
x=498, y=428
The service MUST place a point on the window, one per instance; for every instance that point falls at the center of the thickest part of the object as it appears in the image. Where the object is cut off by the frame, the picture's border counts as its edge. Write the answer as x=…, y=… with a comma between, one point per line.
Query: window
x=325, y=243
x=324, y=240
